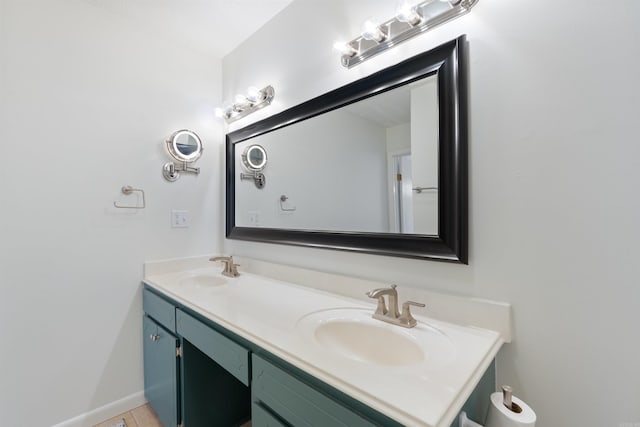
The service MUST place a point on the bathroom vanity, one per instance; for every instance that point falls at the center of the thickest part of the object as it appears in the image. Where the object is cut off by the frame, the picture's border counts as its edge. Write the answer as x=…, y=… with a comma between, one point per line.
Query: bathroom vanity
x=223, y=351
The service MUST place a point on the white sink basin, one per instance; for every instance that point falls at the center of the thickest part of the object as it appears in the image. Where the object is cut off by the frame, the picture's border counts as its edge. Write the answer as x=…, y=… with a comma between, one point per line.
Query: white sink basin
x=352, y=334
x=202, y=281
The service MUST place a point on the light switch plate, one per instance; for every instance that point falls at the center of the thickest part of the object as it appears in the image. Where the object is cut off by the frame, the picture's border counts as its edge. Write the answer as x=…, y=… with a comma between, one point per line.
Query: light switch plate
x=180, y=219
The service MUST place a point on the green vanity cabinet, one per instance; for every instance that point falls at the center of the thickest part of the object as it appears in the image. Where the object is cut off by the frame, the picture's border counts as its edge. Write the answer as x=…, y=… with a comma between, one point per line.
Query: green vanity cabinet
x=199, y=374
x=283, y=395
x=161, y=371
x=194, y=375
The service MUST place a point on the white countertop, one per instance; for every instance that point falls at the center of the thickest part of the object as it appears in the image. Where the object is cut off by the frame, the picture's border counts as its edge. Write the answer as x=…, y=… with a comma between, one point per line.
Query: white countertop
x=267, y=312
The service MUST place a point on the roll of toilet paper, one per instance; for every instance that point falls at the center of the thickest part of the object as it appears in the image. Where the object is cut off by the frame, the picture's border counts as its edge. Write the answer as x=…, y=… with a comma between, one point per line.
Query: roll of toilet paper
x=501, y=416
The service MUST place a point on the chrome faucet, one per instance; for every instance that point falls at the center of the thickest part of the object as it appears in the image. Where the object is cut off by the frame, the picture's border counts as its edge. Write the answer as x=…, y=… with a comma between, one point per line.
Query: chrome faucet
x=230, y=269
x=391, y=315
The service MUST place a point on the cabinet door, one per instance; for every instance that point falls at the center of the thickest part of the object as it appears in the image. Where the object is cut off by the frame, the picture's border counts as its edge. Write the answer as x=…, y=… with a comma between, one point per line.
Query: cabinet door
x=160, y=371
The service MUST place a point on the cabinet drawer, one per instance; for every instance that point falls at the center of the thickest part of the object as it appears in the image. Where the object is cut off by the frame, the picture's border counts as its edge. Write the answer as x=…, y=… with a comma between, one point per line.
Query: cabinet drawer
x=225, y=352
x=260, y=417
x=160, y=310
x=298, y=403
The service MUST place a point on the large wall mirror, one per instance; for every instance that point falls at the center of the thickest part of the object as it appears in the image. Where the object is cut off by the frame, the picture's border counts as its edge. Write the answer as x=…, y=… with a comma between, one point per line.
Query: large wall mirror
x=376, y=166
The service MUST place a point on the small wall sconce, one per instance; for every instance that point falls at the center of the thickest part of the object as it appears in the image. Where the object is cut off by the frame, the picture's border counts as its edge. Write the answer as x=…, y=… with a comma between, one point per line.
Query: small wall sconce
x=410, y=20
x=246, y=104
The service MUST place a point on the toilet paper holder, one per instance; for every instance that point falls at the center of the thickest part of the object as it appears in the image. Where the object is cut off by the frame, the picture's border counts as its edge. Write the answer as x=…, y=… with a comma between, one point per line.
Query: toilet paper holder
x=507, y=400
x=503, y=412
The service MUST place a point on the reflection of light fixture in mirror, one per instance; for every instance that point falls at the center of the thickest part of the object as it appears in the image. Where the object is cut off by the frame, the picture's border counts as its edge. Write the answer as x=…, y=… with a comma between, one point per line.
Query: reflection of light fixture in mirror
x=408, y=22
x=186, y=147
x=246, y=104
x=254, y=160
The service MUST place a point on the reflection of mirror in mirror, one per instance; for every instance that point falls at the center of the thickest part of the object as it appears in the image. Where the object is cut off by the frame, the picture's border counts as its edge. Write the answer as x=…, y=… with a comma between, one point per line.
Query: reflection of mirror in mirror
x=371, y=166
x=185, y=146
x=254, y=157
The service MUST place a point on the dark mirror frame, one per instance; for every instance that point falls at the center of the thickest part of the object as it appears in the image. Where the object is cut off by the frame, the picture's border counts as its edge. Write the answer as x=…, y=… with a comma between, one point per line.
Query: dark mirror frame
x=449, y=62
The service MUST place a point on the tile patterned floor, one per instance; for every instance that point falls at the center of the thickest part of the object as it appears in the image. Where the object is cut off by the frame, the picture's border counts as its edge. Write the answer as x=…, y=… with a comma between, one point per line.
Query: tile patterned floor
x=142, y=416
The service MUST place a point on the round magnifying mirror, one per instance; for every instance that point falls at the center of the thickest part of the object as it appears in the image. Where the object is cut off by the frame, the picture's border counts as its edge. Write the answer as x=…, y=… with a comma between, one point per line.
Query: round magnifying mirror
x=254, y=157
x=185, y=146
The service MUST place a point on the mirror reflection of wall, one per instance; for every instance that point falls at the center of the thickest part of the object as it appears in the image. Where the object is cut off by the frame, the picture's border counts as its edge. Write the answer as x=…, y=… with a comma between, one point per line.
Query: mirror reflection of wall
x=353, y=168
x=424, y=155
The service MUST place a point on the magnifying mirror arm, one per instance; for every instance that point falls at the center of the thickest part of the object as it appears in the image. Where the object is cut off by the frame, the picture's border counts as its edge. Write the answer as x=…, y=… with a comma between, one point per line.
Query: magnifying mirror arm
x=257, y=177
x=250, y=176
x=184, y=167
x=171, y=171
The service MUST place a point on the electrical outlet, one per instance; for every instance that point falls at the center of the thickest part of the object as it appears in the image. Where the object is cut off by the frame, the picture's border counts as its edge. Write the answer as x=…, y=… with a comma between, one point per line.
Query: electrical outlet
x=180, y=219
x=254, y=218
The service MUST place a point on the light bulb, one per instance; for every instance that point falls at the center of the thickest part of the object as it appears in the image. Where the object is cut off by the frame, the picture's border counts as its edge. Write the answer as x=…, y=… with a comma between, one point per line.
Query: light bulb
x=344, y=48
x=240, y=99
x=409, y=14
x=371, y=31
x=219, y=112
x=254, y=94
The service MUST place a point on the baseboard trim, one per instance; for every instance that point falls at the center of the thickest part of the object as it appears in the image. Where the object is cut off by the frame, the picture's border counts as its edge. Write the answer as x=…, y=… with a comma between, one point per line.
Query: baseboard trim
x=105, y=412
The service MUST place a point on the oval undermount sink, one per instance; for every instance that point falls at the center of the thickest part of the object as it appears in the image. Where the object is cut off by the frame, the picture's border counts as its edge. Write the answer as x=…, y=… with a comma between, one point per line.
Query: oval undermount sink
x=202, y=281
x=352, y=334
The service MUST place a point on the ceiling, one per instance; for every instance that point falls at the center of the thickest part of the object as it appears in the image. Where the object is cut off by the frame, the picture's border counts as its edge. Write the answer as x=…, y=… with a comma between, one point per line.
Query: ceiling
x=213, y=26
x=388, y=109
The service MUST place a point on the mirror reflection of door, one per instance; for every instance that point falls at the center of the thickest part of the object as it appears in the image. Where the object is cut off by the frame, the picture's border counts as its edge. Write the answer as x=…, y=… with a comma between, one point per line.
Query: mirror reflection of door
x=403, y=194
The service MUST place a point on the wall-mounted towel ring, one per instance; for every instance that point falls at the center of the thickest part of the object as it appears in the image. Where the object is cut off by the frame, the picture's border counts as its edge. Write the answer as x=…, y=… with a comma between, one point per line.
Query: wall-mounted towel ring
x=127, y=189
x=283, y=199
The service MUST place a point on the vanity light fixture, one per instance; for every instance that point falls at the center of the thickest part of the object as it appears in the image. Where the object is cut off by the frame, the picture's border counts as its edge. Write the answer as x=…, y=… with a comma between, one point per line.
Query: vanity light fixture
x=246, y=104
x=411, y=19
x=409, y=14
x=371, y=31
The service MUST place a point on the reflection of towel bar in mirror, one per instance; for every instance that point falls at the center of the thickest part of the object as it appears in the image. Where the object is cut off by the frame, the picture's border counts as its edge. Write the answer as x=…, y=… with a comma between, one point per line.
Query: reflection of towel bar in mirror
x=421, y=189
x=127, y=189
x=283, y=199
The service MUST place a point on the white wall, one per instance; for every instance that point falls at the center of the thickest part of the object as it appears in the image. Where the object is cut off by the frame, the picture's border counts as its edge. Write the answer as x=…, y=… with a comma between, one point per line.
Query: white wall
x=86, y=99
x=554, y=168
x=339, y=186
x=424, y=156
